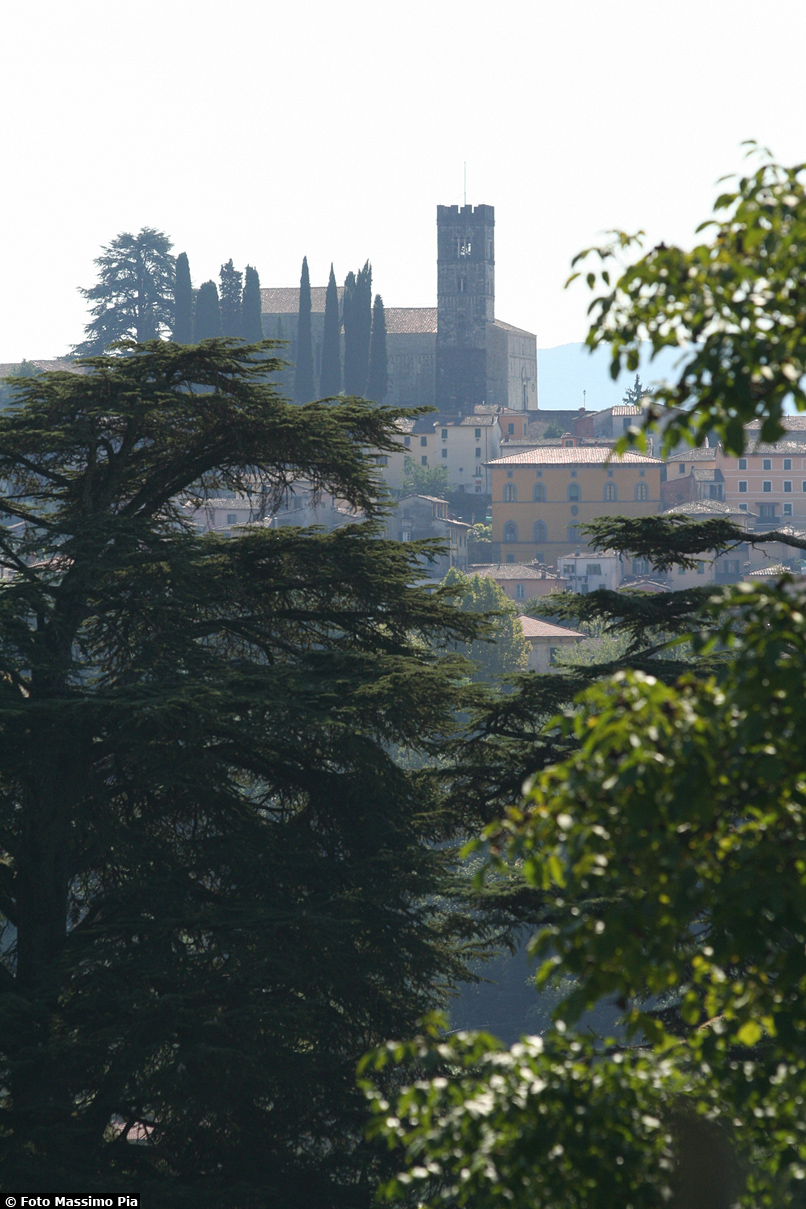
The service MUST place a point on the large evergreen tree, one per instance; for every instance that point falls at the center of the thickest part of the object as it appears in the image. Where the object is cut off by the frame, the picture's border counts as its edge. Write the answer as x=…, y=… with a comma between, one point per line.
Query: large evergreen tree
x=378, y=379
x=357, y=329
x=134, y=295
x=207, y=319
x=251, y=307
x=230, y=300
x=217, y=883
x=330, y=376
x=183, y=302
x=303, y=372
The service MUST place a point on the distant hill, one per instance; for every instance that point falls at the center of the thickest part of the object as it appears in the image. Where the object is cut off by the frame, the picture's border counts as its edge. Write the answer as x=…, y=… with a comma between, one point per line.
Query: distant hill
x=564, y=372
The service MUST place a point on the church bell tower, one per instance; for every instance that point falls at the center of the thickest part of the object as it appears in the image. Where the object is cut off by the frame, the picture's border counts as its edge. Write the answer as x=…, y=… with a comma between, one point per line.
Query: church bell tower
x=465, y=305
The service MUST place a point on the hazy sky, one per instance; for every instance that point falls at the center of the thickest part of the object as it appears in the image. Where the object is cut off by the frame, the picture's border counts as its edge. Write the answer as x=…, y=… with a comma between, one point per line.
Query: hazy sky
x=267, y=131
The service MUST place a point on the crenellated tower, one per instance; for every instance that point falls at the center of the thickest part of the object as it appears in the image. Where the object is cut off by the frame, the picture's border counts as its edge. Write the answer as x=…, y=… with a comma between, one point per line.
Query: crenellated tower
x=465, y=304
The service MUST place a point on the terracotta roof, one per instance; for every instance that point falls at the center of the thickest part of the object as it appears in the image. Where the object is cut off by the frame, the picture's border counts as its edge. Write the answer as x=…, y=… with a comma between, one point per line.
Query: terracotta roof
x=284, y=300
x=773, y=572
x=625, y=409
x=791, y=423
x=573, y=455
x=411, y=320
x=782, y=446
x=533, y=627
x=510, y=571
x=705, y=453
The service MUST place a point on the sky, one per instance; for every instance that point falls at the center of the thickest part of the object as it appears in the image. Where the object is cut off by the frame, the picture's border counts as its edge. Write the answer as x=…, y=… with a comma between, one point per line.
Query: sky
x=265, y=132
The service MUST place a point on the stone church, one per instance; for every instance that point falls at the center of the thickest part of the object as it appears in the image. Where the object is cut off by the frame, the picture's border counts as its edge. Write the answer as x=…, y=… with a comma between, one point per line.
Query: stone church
x=455, y=355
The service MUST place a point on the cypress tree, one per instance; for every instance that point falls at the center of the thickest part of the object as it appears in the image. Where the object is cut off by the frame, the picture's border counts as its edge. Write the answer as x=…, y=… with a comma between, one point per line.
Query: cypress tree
x=251, y=322
x=303, y=375
x=330, y=380
x=207, y=321
x=231, y=279
x=378, y=380
x=183, y=302
x=357, y=329
x=347, y=311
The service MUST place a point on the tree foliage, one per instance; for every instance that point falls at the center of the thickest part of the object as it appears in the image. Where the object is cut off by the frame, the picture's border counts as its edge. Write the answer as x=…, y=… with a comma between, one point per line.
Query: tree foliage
x=357, y=329
x=330, y=377
x=378, y=379
x=134, y=295
x=207, y=315
x=251, y=307
x=303, y=373
x=230, y=300
x=423, y=480
x=183, y=302
x=504, y=650
x=217, y=886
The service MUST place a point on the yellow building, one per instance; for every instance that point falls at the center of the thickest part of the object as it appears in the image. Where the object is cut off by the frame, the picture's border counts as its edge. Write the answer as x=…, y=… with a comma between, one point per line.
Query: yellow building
x=542, y=496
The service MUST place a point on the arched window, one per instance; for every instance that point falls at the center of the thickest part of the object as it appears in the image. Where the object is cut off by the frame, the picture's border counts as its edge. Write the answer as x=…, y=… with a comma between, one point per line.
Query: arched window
x=573, y=491
x=539, y=532
x=610, y=492
x=539, y=493
x=510, y=493
x=641, y=491
x=510, y=532
x=573, y=533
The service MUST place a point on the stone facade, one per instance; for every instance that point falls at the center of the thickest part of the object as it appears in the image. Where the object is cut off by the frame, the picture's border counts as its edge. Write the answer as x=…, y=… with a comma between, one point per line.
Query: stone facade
x=465, y=305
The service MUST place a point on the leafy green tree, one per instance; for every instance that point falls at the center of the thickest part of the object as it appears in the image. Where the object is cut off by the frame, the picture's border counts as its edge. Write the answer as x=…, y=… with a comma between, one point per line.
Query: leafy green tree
x=378, y=379
x=303, y=373
x=504, y=651
x=665, y=826
x=230, y=300
x=134, y=295
x=633, y=395
x=183, y=302
x=330, y=377
x=207, y=318
x=357, y=330
x=423, y=480
x=217, y=885
x=553, y=430
x=251, y=307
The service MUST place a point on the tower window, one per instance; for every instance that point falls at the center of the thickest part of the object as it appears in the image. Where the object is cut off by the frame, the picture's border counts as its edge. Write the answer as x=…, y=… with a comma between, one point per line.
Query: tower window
x=462, y=285
x=463, y=245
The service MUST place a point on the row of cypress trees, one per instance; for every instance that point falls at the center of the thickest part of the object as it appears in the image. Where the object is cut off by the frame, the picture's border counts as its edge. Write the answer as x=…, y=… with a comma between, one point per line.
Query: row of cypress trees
x=232, y=310
x=365, y=370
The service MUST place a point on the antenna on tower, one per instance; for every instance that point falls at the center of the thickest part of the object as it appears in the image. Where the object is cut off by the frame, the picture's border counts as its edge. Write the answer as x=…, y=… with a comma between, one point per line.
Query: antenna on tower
x=465, y=165
x=584, y=399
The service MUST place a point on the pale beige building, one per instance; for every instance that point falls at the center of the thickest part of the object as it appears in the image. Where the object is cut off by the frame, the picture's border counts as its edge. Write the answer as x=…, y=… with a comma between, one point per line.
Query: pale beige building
x=768, y=482
x=546, y=640
x=521, y=582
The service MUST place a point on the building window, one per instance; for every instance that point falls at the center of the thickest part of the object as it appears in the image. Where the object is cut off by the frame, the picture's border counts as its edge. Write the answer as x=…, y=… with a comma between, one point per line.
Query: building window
x=510, y=473
x=573, y=491
x=510, y=532
x=743, y=463
x=444, y=434
x=700, y=568
x=642, y=472
x=462, y=285
x=766, y=464
x=787, y=509
x=423, y=440
x=477, y=434
x=539, y=532
x=681, y=570
x=407, y=441
x=641, y=492
x=510, y=493
x=742, y=485
x=731, y=566
x=520, y=592
x=539, y=493
x=511, y=429
x=610, y=492
x=640, y=566
x=540, y=475
x=681, y=469
x=593, y=569
x=478, y=452
x=787, y=486
x=573, y=533
x=553, y=654
x=715, y=491
x=742, y=507
x=787, y=463
x=510, y=558
x=573, y=474
x=424, y=459
x=610, y=474
x=232, y=518
x=767, y=511
x=766, y=485
x=444, y=453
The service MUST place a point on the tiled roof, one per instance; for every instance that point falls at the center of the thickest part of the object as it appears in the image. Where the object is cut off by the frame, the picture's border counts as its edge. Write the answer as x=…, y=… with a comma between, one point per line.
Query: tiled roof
x=791, y=423
x=573, y=456
x=703, y=508
x=625, y=409
x=533, y=627
x=510, y=571
x=284, y=300
x=707, y=474
x=705, y=453
x=411, y=320
x=782, y=446
x=516, y=331
x=773, y=572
